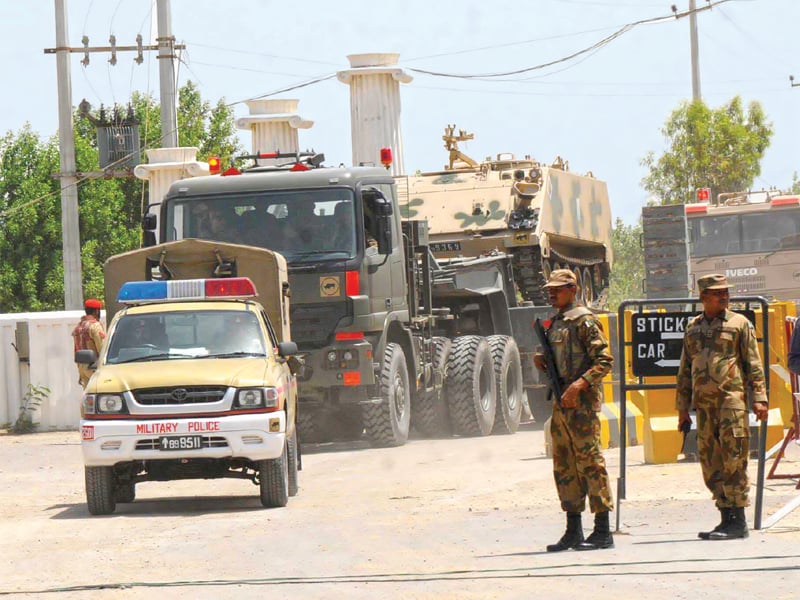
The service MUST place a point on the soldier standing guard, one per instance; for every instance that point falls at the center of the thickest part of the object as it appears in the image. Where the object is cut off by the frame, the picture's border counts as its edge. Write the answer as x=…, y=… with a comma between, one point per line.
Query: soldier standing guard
x=582, y=358
x=89, y=335
x=719, y=361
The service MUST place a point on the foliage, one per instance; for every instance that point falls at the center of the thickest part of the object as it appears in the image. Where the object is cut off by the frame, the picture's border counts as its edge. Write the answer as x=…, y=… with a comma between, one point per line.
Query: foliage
x=628, y=272
x=795, y=183
x=717, y=148
x=110, y=210
x=33, y=398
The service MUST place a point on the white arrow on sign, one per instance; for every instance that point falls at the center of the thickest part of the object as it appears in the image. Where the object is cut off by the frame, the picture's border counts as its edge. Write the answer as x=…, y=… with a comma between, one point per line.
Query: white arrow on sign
x=668, y=363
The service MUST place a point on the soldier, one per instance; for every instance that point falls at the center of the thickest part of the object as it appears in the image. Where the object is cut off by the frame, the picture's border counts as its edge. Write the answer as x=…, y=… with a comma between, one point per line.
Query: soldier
x=88, y=335
x=719, y=361
x=582, y=359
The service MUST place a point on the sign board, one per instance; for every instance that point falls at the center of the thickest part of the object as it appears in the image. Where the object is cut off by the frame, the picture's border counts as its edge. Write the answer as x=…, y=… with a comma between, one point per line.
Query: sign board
x=658, y=340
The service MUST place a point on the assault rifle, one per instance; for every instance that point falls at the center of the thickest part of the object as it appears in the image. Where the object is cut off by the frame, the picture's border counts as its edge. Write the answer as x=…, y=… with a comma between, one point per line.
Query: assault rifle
x=549, y=360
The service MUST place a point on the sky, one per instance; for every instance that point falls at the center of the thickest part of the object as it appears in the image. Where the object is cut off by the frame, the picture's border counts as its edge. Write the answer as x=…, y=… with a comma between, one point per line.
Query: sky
x=602, y=111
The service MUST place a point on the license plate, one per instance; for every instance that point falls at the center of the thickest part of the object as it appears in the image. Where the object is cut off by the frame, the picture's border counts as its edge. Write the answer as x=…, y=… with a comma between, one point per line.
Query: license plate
x=180, y=442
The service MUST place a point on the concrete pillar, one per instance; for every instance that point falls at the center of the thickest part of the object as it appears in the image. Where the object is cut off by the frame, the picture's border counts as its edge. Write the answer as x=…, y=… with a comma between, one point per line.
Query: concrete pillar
x=374, y=81
x=165, y=166
x=273, y=124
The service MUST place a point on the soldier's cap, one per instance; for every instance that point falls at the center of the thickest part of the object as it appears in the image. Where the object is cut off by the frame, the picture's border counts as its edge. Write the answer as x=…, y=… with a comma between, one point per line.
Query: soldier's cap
x=561, y=277
x=93, y=303
x=713, y=282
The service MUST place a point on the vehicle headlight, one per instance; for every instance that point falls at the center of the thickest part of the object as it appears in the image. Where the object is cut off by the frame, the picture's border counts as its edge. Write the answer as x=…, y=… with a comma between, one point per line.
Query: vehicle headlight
x=332, y=356
x=110, y=403
x=250, y=398
x=348, y=355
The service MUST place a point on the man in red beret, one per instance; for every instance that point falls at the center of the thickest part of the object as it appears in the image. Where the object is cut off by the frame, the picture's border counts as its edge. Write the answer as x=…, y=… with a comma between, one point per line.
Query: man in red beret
x=89, y=335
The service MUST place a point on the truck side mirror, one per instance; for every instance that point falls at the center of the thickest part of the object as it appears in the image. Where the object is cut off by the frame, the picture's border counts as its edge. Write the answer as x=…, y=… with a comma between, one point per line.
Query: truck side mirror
x=382, y=213
x=149, y=224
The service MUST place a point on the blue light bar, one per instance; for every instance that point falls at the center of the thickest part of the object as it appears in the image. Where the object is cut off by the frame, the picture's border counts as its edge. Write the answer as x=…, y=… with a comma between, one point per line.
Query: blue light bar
x=133, y=291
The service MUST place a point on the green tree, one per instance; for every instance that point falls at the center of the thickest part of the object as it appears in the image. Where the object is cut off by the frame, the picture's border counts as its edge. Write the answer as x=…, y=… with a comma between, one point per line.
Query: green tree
x=795, y=184
x=717, y=148
x=628, y=272
x=110, y=210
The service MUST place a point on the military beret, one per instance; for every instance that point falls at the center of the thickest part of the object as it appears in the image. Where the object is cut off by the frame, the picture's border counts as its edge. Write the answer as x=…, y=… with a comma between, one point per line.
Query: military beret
x=93, y=303
x=561, y=277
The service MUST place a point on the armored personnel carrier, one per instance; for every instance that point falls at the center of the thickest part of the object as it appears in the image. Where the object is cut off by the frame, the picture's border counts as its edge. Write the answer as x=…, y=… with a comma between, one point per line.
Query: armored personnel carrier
x=545, y=216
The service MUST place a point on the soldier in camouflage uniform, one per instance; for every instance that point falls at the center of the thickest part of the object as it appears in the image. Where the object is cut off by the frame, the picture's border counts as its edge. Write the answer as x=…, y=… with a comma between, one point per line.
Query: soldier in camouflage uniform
x=89, y=335
x=720, y=359
x=583, y=358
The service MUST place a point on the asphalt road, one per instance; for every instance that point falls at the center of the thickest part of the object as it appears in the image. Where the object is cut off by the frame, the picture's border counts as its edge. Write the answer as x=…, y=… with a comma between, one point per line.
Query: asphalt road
x=449, y=518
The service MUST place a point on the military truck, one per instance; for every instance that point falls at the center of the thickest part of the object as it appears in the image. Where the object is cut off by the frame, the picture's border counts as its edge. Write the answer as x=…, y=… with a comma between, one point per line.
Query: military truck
x=751, y=237
x=389, y=336
x=545, y=216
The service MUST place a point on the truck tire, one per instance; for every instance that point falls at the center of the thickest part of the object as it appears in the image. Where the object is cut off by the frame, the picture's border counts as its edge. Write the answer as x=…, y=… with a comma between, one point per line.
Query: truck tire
x=387, y=423
x=292, y=454
x=429, y=412
x=100, y=490
x=273, y=480
x=508, y=381
x=307, y=427
x=471, y=394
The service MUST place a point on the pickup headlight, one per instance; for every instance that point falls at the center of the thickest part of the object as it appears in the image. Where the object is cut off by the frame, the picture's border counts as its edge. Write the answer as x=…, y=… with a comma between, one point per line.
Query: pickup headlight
x=257, y=398
x=109, y=403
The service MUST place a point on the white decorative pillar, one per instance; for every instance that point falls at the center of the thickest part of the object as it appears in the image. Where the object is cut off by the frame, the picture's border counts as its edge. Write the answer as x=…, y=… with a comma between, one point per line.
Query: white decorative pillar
x=374, y=81
x=165, y=166
x=273, y=124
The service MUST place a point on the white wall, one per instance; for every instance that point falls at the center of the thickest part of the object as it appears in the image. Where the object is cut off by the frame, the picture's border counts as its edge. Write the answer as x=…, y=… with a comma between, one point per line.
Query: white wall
x=51, y=365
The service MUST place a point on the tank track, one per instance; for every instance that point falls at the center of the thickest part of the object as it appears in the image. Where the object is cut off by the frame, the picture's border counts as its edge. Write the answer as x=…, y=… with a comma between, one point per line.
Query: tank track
x=528, y=275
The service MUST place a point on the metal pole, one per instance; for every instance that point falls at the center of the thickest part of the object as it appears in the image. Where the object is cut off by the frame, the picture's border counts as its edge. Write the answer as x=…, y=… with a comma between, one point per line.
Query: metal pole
x=70, y=231
x=166, y=72
x=762, y=432
x=696, y=95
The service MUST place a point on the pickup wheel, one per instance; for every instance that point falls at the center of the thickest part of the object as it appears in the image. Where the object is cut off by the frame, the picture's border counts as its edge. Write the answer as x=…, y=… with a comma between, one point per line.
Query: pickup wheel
x=471, y=393
x=387, y=423
x=293, y=457
x=429, y=412
x=100, y=497
x=273, y=482
x=125, y=493
x=508, y=381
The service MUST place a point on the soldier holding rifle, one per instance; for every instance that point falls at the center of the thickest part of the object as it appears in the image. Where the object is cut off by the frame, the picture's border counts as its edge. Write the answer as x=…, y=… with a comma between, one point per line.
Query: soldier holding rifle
x=580, y=357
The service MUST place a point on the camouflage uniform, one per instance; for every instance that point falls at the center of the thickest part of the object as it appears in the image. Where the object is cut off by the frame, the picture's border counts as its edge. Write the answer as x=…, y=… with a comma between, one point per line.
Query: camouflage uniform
x=580, y=350
x=88, y=335
x=719, y=359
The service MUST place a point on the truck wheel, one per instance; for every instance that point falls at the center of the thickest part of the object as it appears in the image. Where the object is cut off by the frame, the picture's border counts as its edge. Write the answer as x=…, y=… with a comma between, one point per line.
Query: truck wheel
x=307, y=427
x=429, y=411
x=100, y=490
x=471, y=386
x=273, y=476
x=508, y=381
x=293, y=456
x=388, y=422
x=125, y=493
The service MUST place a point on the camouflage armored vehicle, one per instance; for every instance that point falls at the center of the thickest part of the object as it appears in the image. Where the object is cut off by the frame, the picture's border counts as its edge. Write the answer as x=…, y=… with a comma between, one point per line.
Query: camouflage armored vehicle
x=545, y=216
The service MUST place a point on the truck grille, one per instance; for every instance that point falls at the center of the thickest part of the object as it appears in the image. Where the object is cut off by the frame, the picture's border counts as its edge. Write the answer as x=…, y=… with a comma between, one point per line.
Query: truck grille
x=175, y=396
x=313, y=324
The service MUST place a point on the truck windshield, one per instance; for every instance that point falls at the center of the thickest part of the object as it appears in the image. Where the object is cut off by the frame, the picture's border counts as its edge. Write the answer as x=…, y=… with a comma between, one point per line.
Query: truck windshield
x=727, y=235
x=183, y=334
x=303, y=225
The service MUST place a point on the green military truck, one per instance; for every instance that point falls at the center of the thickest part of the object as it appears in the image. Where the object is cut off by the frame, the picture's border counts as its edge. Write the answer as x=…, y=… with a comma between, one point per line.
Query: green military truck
x=390, y=337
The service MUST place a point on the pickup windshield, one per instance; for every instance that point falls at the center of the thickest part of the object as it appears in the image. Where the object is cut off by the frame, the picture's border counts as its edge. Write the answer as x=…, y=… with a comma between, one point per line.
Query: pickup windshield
x=181, y=334
x=303, y=225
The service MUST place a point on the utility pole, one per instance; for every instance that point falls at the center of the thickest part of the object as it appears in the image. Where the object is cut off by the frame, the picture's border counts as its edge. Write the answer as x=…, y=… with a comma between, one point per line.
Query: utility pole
x=166, y=72
x=696, y=96
x=70, y=232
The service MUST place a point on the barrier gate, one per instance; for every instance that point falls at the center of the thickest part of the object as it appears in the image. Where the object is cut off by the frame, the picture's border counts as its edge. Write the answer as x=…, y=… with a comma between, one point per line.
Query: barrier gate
x=655, y=342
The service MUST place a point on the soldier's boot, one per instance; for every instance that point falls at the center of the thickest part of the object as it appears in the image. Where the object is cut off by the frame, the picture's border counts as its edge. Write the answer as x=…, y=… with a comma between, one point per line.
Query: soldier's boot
x=572, y=536
x=725, y=513
x=735, y=529
x=601, y=537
